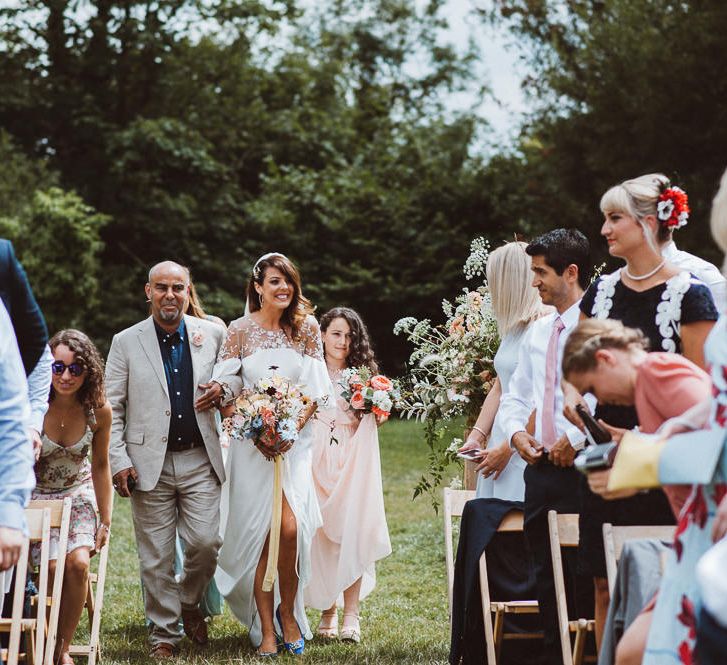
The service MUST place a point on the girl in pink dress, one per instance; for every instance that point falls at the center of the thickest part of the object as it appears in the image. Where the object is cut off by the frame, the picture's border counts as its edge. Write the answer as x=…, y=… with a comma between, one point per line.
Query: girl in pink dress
x=347, y=478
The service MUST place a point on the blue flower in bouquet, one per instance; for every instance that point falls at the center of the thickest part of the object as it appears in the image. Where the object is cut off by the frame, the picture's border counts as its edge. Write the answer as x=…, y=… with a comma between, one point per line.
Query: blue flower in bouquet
x=256, y=426
x=288, y=429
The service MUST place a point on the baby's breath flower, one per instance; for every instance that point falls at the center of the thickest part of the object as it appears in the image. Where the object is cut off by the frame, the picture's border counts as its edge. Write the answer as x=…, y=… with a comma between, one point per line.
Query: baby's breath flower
x=404, y=325
x=477, y=260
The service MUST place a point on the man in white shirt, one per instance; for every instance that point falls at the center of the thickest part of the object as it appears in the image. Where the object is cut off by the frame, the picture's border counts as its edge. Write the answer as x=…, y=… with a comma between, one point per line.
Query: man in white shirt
x=16, y=459
x=561, y=266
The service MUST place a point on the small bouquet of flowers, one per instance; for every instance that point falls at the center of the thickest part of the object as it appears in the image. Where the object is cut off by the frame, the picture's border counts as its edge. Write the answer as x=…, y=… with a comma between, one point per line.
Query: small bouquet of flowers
x=268, y=413
x=375, y=394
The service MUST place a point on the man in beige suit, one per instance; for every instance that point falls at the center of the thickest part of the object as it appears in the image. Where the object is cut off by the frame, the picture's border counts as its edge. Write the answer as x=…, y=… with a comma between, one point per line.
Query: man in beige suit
x=165, y=452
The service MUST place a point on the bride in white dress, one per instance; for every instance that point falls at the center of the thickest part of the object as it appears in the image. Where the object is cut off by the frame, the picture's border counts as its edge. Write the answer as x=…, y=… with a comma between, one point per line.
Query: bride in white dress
x=277, y=334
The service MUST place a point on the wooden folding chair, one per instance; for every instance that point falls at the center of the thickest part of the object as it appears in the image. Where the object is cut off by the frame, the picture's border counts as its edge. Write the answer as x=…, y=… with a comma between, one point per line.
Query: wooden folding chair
x=94, y=606
x=34, y=629
x=563, y=530
x=454, y=501
x=614, y=538
x=60, y=518
x=495, y=632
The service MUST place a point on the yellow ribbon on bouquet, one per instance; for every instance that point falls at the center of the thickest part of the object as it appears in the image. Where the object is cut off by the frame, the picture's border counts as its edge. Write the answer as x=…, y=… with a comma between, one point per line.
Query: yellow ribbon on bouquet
x=271, y=568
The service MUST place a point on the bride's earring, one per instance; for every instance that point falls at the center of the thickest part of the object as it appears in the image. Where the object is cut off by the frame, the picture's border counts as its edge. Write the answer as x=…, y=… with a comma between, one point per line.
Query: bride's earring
x=260, y=295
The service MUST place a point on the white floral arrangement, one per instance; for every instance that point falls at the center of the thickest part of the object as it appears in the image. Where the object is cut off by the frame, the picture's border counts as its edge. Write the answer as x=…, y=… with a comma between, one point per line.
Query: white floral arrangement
x=451, y=369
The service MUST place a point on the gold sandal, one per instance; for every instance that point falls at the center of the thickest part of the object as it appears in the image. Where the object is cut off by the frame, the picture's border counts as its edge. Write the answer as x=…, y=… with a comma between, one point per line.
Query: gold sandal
x=351, y=633
x=330, y=630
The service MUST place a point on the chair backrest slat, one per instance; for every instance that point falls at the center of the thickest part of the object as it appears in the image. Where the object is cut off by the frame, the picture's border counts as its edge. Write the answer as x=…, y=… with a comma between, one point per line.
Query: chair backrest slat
x=453, y=501
x=54, y=505
x=614, y=538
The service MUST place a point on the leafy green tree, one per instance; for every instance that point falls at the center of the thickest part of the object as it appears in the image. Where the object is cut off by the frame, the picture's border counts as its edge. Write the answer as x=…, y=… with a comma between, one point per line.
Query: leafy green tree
x=210, y=132
x=621, y=88
x=59, y=246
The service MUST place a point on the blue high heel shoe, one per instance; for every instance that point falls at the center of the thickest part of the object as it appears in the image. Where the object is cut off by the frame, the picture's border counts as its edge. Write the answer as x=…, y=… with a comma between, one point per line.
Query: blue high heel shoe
x=296, y=648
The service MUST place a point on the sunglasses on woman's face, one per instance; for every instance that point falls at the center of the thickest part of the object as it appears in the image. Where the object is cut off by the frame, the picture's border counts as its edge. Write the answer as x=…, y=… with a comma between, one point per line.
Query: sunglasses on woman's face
x=59, y=367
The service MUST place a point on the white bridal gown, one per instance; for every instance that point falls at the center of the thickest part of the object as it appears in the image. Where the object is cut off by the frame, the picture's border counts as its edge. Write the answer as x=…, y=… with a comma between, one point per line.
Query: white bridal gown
x=247, y=495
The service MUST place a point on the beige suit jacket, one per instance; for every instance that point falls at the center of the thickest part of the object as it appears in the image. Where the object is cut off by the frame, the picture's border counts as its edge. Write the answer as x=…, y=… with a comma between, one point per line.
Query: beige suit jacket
x=137, y=389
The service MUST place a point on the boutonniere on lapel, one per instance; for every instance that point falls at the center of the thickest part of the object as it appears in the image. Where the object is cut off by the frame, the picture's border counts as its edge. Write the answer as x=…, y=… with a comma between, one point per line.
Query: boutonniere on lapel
x=197, y=338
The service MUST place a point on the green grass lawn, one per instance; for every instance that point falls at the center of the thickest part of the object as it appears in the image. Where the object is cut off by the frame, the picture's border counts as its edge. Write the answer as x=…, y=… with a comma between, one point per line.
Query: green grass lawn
x=405, y=619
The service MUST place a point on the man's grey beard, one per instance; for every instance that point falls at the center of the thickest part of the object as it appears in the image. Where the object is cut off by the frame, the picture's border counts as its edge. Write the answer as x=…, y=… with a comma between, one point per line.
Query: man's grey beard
x=168, y=316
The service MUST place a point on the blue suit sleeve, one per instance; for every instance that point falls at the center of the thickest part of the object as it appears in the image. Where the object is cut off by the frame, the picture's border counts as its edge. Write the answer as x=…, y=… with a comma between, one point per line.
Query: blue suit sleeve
x=25, y=314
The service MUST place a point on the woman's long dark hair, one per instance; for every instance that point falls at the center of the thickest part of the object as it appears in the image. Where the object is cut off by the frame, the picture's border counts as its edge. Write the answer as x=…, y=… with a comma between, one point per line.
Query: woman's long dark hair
x=92, y=394
x=360, y=352
x=300, y=307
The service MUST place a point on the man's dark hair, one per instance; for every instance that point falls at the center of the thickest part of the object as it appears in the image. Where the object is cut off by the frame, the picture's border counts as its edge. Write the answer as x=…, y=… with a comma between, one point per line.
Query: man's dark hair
x=562, y=247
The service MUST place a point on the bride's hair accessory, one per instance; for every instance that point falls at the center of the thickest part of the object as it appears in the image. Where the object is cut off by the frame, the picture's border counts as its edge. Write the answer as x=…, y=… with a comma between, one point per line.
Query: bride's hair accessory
x=256, y=267
x=672, y=207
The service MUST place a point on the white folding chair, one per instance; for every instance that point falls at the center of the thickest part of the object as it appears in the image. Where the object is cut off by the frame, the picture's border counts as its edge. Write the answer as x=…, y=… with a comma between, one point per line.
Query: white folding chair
x=495, y=631
x=94, y=605
x=454, y=501
x=60, y=518
x=34, y=629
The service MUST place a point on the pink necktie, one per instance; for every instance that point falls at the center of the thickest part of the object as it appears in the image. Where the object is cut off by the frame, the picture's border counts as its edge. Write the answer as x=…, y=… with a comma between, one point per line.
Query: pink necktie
x=551, y=375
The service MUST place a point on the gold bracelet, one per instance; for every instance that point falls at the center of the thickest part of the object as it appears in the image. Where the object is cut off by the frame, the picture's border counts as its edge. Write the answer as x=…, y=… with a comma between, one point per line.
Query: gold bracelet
x=481, y=431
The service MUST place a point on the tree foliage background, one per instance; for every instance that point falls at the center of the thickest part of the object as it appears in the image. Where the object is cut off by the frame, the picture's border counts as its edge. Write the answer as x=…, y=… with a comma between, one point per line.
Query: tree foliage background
x=211, y=131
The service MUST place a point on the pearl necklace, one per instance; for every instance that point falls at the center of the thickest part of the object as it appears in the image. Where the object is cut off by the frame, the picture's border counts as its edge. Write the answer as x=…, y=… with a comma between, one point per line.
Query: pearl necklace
x=640, y=278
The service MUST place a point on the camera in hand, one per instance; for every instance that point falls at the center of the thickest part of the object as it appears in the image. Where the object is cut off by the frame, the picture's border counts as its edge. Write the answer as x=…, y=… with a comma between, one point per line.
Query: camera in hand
x=596, y=458
x=600, y=450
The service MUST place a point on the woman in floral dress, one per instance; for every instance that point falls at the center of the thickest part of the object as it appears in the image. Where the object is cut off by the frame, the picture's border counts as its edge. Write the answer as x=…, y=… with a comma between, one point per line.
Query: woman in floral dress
x=78, y=422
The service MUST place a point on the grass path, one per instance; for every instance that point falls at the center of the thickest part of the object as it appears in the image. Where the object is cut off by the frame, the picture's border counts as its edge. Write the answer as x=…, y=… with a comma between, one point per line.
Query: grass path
x=405, y=619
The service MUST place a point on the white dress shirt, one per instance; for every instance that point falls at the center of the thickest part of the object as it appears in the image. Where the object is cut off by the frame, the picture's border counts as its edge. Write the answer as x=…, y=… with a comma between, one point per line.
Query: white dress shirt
x=16, y=452
x=38, y=389
x=706, y=271
x=527, y=386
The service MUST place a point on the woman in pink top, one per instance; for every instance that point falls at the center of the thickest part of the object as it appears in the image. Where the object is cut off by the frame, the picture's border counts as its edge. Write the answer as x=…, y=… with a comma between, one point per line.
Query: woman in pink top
x=610, y=361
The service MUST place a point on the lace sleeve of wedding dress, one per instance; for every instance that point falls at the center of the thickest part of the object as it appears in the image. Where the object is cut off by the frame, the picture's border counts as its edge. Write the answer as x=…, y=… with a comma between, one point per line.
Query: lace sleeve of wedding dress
x=315, y=375
x=229, y=360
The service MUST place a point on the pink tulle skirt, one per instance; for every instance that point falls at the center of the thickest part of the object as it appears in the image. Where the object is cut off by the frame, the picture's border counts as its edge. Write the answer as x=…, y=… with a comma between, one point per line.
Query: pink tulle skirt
x=354, y=535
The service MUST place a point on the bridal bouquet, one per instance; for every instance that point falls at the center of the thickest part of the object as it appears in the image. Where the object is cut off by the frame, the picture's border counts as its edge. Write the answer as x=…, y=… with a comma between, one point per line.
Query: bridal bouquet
x=268, y=413
x=375, y=394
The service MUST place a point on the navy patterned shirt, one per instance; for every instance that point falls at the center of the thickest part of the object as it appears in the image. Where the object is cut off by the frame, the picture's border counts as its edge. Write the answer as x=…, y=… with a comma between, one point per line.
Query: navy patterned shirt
x=177, y=360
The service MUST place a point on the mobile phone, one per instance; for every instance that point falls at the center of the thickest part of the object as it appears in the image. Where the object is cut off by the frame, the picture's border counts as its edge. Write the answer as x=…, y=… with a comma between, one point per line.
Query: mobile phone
x=471, y=455
x=595, y=432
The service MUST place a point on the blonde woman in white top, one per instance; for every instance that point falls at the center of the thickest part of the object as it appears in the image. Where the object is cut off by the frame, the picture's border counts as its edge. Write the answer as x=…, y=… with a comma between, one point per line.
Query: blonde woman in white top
x=515, y=304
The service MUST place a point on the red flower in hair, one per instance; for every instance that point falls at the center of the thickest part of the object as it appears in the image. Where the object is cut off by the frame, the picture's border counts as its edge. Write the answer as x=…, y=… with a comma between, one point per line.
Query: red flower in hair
x=672, y=208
